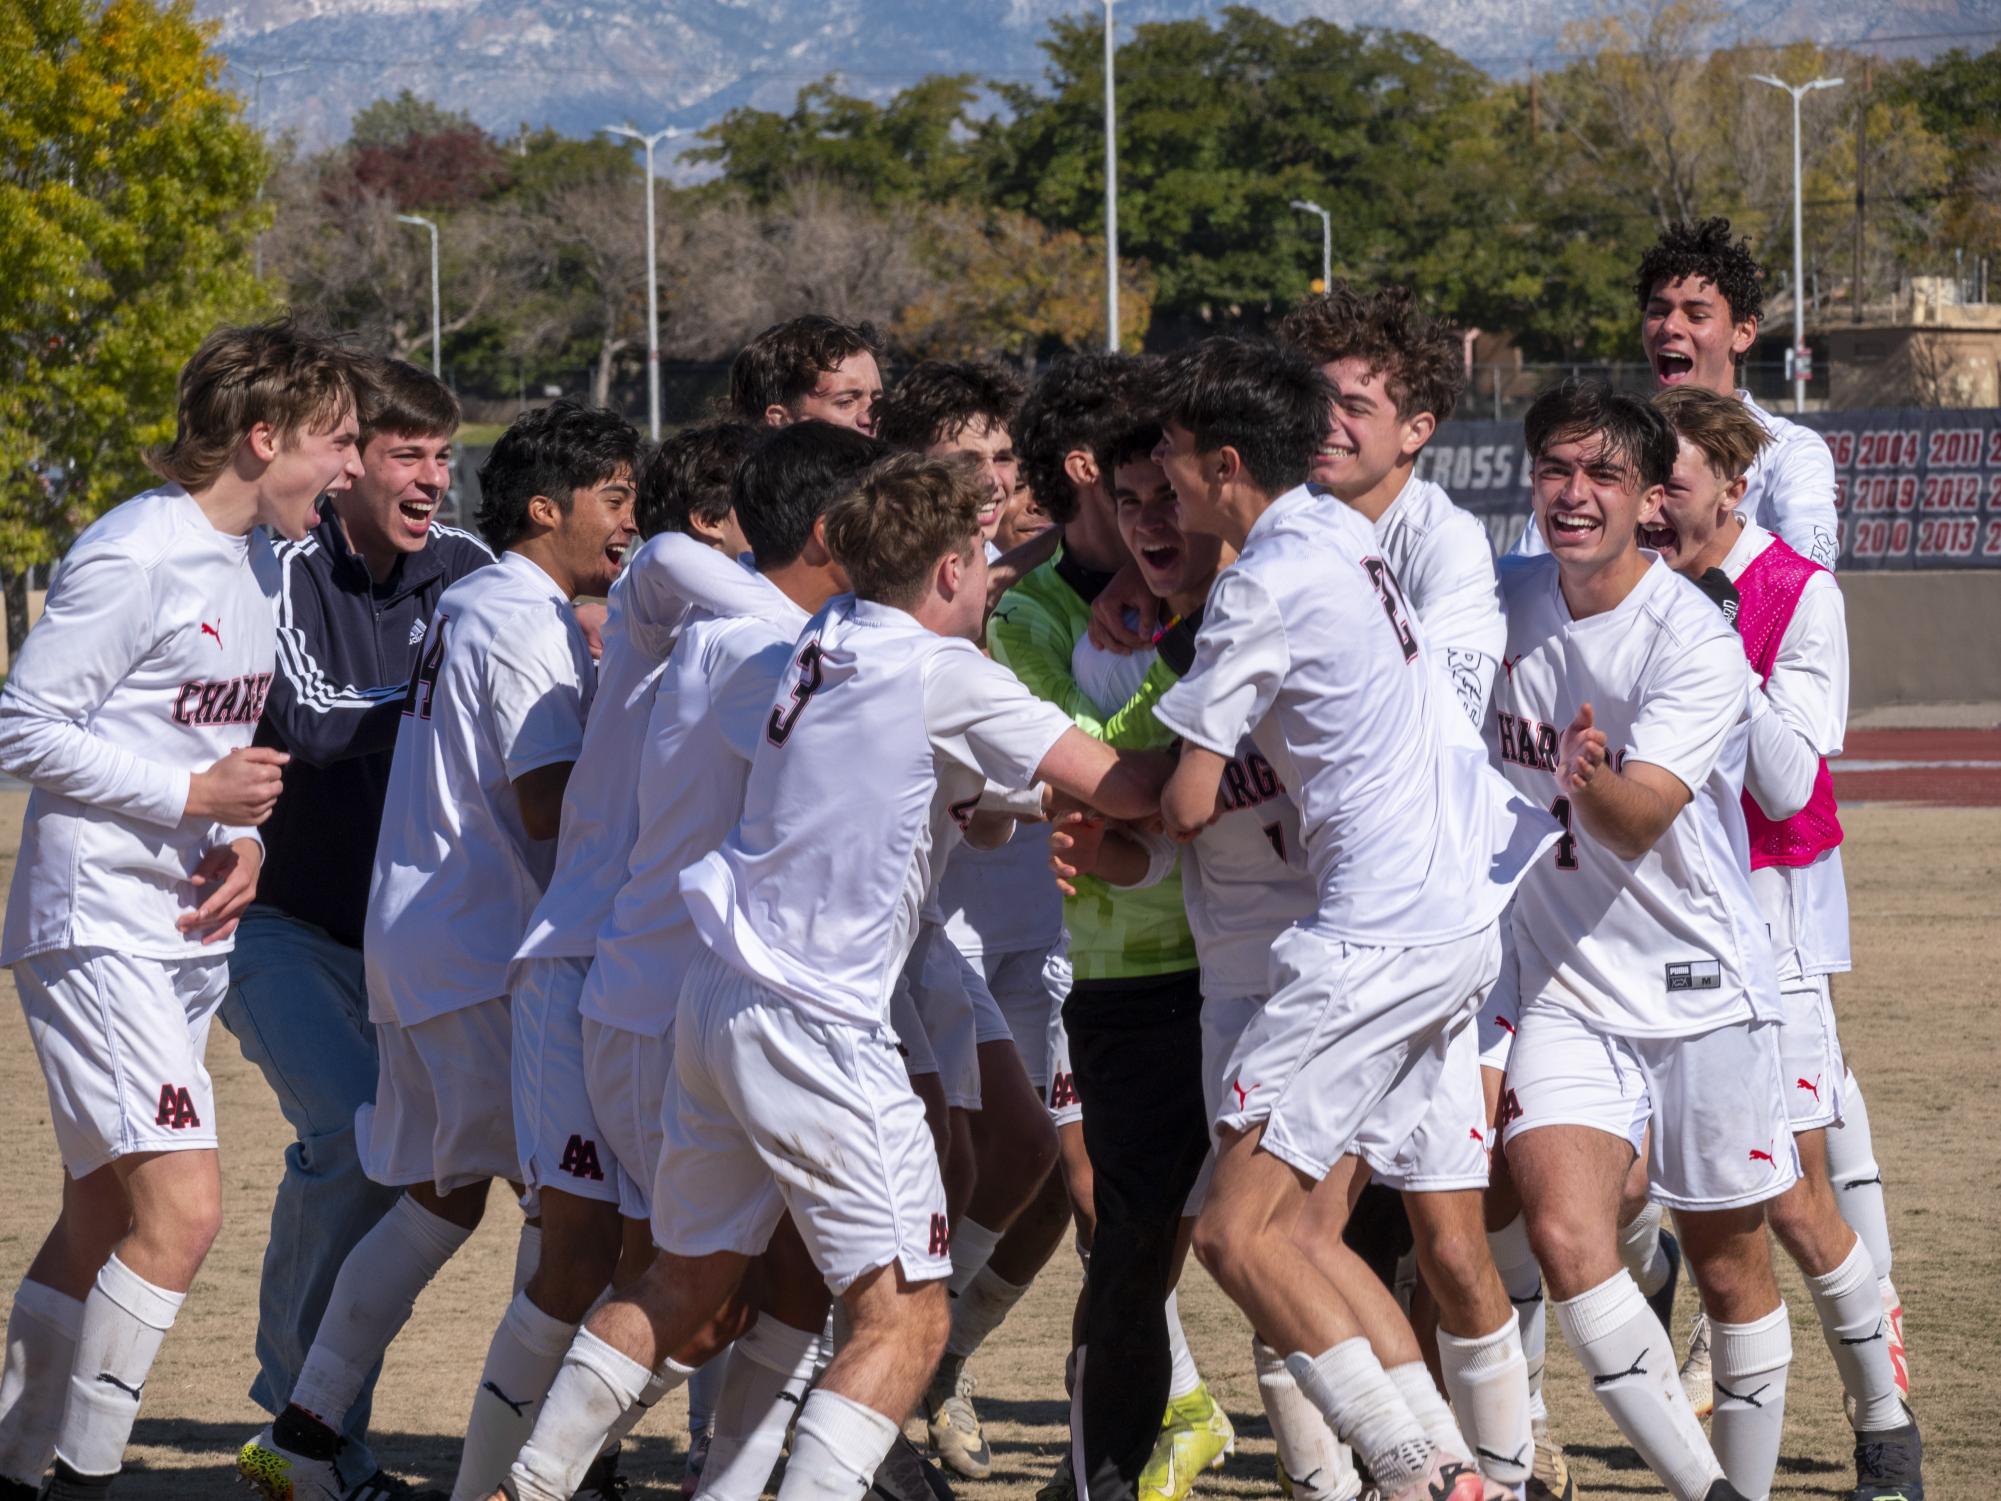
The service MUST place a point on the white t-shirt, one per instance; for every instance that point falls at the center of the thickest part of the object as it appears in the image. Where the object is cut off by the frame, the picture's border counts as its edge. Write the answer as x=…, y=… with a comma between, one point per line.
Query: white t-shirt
x=1441, y=556
x=878, y=746
x=1805, y=907
x=151, y=662
x=1308, y=646
x=502, y=690
x=1669, y=944
x=705, y=722
x=662, y=582
x=1791, y=487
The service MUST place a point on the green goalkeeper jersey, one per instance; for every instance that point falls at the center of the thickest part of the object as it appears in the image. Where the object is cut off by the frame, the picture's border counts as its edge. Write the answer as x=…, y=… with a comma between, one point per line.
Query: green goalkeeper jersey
x=1114, y=934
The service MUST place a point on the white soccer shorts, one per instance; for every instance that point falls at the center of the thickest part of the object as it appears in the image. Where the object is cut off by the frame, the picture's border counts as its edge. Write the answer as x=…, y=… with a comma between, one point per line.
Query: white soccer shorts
x=121, y=1041
x=1350, y=1051
x=1224, y=1020
x=1720, y=1137
x=444, y=1101
x=1065, y=1108
x=1451, y=1149
x=912, y=1043
x=630, y=1076
x=1500, y=1012
x=1810, y=1062
x=778, y=1112
x=945, y=1010
x=556, y=1133
x=1027, y=985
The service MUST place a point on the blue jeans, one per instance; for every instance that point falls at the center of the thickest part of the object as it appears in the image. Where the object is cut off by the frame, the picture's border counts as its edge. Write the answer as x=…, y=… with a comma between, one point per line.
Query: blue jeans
x=298, y=1007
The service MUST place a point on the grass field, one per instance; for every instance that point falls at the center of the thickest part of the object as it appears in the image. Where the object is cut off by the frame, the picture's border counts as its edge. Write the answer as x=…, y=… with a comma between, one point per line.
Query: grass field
x=1918, y=1018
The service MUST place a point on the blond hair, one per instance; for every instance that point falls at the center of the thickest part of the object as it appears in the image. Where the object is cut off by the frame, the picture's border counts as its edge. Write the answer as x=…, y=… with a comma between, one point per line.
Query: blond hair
x=275, y=373
x=907, y=514
x=1722, y=427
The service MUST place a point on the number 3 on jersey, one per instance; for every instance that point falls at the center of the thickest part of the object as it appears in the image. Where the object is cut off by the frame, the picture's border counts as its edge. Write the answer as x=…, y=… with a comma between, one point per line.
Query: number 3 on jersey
x=779, y=730
x=424, y=681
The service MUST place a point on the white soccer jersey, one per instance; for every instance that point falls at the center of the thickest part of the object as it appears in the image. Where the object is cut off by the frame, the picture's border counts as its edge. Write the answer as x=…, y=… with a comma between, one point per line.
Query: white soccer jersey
x=706, y=720
x=1791, y=487
x=151, y=662
x=1806, y=907
x=503, y=688
x=662, y=582
x=1670, y=944
x=876, y=750
x=1441, y=556
x=1308, y=646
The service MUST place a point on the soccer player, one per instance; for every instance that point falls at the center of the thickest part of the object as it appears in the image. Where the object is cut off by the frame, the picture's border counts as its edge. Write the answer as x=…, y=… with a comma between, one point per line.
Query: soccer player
x=1132, y=1023
x=810, y=368
x=491, y=727
x=566, y=1152
x=1789, y=615
x=789, y=1096
x=1308, y=648
x=1000, y=922
x=1649, y=1003
x=130, y=711
x=353, y=600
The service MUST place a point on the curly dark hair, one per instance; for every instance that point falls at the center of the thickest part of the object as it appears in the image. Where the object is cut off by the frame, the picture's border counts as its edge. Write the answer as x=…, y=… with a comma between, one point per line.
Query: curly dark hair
x=1705, y=249
x=1267, y=401
x=1081, y=402
x=939, y=399
x=787, y=360
x=689, y=476
x=561, y=449
x=1419, y=357
x=1630, y=429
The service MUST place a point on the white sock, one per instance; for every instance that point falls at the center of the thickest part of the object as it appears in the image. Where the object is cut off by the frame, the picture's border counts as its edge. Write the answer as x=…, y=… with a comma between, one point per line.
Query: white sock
x=1748, y=1363
x=972, y=1247
x=1184, y=1378
x=705, y=1389
x=1487, y=1379
x=1640, y=1250
x=527, y=1255
x=526, y=1353
x=1522, y=1277
x=597, y=1383
x=1851, y=1316
x=986, y=1302
x=769, y=1373
x=664, y=1379
x=1624, y=1350
x=371, y=1301
x=1420, y=1394
x=1314, y=1460
x=1360, y=1402
x=1858, y=1181
x=836, y=1449
x=41, y=1349
x=124, y=1320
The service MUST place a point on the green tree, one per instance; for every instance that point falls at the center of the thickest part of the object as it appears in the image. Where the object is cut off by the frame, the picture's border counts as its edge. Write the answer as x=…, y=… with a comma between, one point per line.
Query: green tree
x=127, y=186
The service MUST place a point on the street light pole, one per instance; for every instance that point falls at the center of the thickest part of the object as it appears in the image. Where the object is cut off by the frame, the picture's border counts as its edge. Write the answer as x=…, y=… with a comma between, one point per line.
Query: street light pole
x=652, y=275
x=1326, y=239
x=1798, y=92
x=1111, y=194
x=257, y=76
x=436, y=350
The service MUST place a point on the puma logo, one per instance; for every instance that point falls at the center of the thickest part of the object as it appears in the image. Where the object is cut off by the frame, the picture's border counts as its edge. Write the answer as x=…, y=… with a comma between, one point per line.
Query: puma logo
x=1749, y=1399
x=1637, y=1368
x=1867, y=1339
x=131, y=1391
x=1301, y=1482
x=213, y=630
x=1519, y=1459
x=1243, y=1094
x=519, y=1409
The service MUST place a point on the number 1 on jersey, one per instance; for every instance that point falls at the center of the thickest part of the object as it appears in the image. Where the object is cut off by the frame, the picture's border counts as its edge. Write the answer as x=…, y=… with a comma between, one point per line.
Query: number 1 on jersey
x=1566, y=847
x=782, y=720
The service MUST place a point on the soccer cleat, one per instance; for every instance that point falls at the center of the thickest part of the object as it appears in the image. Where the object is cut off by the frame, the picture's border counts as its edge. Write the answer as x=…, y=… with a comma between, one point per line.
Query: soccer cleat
x=956, y=1436
x=1893, y=1317
x=278, y=1473
x=1889, y=1464
x=1662, y=1302
x=906, y=1475
x=1549, y=1478
x=1060, y=1486
x=1695, y=1378
x=1195, y=1435
x=1448, y=1479
x=1723, y=1490
x=602, y=1482
x=698, y=1458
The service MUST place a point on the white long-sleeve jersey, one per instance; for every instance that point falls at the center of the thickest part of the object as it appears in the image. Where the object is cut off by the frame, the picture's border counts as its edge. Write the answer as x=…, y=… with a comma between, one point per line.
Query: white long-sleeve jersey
x=151, y=661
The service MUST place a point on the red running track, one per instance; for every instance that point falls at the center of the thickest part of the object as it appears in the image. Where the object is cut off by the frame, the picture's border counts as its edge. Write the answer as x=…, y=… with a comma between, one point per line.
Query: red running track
x=1945, y=768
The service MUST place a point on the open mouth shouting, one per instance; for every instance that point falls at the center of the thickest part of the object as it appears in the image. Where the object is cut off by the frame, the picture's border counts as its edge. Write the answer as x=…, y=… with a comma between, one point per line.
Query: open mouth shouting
x=615, y=554
x=1662, y=537
x=1673, y=366
x=416, y=513
x=1573, y=528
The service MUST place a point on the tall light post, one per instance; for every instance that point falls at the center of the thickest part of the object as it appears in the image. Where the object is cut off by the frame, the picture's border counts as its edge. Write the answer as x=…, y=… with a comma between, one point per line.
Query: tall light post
x=1326, y=239
x=431, y=225
x=1798, y=92
x=1111, y=194
x=257, y=76
x=652, y=275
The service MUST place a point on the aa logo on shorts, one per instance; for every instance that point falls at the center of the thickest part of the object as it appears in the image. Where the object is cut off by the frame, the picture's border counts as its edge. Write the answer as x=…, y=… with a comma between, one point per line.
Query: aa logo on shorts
x=580, y=1160
x=1511, y=1109
x=1062, y=1091
x=177, y=1109
x=941, y=1236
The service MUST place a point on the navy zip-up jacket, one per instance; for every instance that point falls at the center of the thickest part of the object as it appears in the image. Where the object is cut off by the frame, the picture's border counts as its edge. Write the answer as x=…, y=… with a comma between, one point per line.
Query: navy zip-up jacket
x=346, y=648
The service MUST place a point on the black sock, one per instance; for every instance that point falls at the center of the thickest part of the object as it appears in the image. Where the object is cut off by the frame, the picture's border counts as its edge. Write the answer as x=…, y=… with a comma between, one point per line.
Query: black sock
x=305, y=1435
x=67, y=1484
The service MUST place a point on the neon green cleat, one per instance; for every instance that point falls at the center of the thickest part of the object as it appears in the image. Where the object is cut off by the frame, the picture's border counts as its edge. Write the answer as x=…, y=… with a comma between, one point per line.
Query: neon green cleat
x=1195, y=1435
